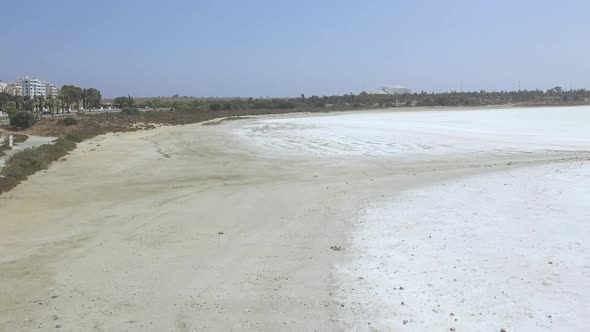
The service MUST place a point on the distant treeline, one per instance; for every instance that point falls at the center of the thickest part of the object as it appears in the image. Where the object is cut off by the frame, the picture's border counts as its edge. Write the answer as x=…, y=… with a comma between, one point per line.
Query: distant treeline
x=555, y=96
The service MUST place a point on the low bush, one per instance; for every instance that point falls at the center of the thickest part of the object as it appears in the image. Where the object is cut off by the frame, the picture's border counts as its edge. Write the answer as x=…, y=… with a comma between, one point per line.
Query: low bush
x=74, y=137
x=24, y=163
x=22, y=120
x=130, y=111
x=29, y=161
x=69, y=121
x=7, y=183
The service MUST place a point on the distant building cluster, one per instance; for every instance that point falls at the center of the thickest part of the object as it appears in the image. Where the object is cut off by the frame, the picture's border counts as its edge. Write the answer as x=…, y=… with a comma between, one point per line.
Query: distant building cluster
x=29, y=87
x=390, y=90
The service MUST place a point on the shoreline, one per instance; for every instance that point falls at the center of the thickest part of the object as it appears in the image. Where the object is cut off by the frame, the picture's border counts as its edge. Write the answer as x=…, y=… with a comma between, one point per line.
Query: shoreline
x=184, y=226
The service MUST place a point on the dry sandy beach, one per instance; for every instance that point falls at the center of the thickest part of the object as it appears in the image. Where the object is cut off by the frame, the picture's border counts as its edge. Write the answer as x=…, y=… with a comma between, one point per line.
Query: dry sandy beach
x=462, y=220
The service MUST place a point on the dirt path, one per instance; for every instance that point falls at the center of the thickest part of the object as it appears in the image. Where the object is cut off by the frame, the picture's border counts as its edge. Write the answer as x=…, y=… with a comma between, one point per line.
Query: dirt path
x=182, y=228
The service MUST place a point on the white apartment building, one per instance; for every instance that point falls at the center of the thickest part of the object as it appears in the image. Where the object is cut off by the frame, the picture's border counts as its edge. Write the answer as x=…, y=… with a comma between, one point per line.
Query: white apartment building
x=3, y=86
x=51, y=89
x=31, y=87
x=14, y=89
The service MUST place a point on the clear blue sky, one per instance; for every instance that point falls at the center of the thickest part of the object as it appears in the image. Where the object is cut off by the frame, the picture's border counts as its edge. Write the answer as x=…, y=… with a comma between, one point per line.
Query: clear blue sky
x=284, y=48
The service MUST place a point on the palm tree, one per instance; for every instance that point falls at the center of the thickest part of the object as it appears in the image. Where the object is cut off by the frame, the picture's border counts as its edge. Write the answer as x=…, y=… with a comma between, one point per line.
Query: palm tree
x=20, y=103
x=50, y=102
x=39, y=102
x=28, y=104
x=63, y=100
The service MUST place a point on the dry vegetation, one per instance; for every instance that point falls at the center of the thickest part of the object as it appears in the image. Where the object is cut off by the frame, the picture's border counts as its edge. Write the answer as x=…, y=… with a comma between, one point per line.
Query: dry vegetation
x=77, y=128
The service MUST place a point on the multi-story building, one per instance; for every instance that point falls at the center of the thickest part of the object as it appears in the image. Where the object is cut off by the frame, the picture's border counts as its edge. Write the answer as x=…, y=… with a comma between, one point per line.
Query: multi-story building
x=51, y=89
x=31, y=87
x=14, y=89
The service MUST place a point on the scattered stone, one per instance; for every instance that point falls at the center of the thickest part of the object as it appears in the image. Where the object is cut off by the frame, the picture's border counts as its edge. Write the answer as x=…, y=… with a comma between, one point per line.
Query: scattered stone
x=58, y=326
x=53, y=296
x=550, y=262
x=509, y=163
x=220, y=233
x=502, y=330
x=336, y=248
x=405, y=322
x=55, y=317
x=403, y=303
x=452, y=314
x=401, y=288
x=452, y=329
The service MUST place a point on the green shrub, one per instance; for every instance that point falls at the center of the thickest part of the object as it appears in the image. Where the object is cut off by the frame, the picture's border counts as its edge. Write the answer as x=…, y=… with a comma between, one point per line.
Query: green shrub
x=130, y=111
x=69, y=121
x=27, y=162
x=24, y=163
x=74, y=137
x=60, y=148
x=10, y=108
x=22, y=120
x=7, y=183
x=215, y=107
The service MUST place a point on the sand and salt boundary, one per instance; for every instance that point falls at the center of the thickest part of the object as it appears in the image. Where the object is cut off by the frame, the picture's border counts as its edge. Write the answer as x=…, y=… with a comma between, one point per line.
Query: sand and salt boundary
x=191, y=228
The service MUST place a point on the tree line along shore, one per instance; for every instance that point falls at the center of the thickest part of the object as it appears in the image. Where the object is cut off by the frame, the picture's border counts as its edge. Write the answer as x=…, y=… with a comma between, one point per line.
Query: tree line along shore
x=553, y=96
x=77, y=127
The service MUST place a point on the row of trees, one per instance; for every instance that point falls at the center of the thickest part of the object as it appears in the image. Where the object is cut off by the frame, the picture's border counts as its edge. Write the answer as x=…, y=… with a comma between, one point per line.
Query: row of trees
x=124, y=102
x=555, y=95
x=68, y=97
x=73, y=96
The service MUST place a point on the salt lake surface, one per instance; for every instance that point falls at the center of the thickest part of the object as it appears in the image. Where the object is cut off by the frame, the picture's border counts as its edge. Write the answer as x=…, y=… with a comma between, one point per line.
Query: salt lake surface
x=424, y=134
x=502, y=250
